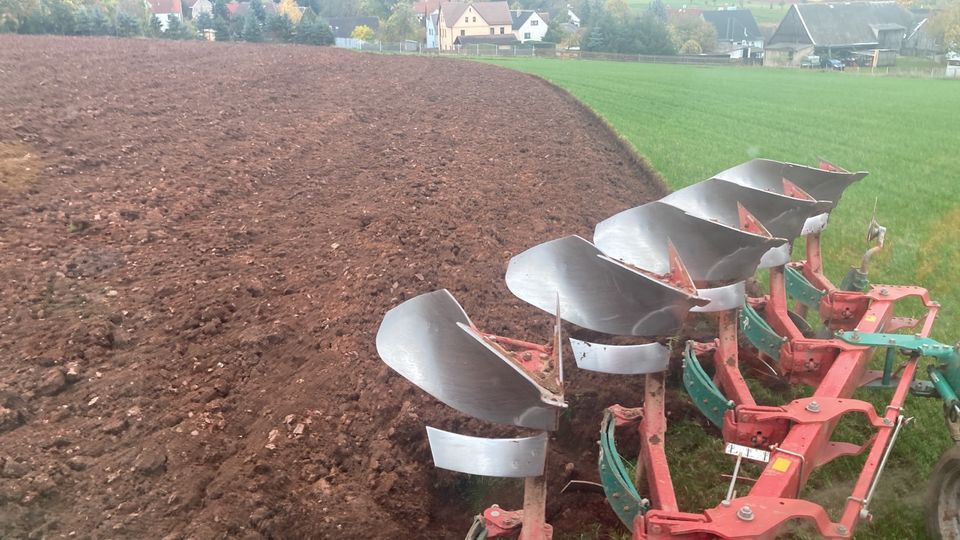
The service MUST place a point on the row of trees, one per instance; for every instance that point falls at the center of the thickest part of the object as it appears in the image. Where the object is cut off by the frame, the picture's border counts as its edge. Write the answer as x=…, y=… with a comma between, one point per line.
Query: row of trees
x=127, y=18
x=613, y=27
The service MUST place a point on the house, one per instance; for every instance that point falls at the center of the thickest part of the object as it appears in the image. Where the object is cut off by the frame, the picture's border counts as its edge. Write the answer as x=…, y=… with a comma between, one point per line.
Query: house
x=461, y=20
x=200, y=6
x=165, y=10
x=735, y=27
x=430, y=23
x=528, y=25
x=837, y=30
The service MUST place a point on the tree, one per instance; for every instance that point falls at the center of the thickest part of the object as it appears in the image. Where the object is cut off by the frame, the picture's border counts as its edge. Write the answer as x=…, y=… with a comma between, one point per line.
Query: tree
x=291, y=10
x=401, y=25
x=945, y=26
x=174, y=28
x=653, y=36
x=251, y=29
x=256, y=7
x=279, y=27
x=220, y=10
x=693, y=28
x=617, y=8
x=154, y=26
x=380, y=9
x=127, y=25
x=658, y=9
x=204, y=21
x=314, y=31
x=100, y=22
x=554, y=34
x=690, y=47
x=221, y=27
x=363, y=33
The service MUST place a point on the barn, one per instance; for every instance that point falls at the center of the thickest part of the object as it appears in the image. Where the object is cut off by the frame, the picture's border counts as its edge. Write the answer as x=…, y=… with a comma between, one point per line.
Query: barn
x=835, y=30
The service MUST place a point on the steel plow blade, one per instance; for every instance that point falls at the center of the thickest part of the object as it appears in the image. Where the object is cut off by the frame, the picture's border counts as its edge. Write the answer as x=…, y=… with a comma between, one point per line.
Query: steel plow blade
x=596, y=292
x=768, y=175
x=711, y=251
x=722, y=298
x=620, y=359
x=431, y=342
x=716, y=199
x=508, y=458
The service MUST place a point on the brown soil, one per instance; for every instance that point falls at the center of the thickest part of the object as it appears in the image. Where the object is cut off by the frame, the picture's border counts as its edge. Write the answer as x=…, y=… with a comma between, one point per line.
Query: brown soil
x=197, y=273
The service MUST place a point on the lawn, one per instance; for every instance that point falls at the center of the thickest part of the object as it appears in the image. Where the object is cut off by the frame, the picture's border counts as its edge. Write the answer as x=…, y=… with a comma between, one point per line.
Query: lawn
x=690, y=122
x=763, y=12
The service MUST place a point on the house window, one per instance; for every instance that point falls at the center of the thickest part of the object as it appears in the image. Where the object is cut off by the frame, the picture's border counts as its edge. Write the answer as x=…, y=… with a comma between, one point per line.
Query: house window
x=534, y=22
x=474, y=19
x=526, y=35
x=463, y=32
x=466, y=20
x=491, y=31
x=501, y=29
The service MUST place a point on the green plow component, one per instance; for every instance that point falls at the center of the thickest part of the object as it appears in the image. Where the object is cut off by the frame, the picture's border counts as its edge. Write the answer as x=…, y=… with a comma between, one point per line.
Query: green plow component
x=759, y=333
x=704, y=393
x=620, y=491
x=801, y=289
x=855, y=280
x=945, y=377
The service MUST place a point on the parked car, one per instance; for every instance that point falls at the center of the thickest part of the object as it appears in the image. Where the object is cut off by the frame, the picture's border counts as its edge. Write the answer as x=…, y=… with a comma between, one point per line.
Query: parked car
x=810, y=62
x=833, y=63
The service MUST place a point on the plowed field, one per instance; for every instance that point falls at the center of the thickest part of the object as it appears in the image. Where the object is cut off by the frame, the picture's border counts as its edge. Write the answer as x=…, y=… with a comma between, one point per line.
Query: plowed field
x=198, y=243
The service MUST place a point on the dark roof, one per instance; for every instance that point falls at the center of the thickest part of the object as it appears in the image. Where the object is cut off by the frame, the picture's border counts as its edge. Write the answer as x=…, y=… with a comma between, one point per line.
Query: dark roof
x=734, y=24
x=499, y=39
x=343, y=26
x=520, y=16
x=855, y=23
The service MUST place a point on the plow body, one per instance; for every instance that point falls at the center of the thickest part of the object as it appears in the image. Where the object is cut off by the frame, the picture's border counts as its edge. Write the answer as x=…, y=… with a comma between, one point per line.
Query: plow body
x=647, y=268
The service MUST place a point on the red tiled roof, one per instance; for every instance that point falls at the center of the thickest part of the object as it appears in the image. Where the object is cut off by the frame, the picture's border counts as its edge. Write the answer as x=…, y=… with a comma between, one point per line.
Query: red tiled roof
x=160, y=7
x=426, y=7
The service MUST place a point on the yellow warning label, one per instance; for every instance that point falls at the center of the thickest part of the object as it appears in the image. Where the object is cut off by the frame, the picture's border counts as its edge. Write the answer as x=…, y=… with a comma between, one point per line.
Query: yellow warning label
x=870, y=318
x=781, y=464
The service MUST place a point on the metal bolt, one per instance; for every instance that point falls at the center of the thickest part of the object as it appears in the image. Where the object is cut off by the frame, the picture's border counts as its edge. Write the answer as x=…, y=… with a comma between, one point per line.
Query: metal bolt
x=841, y=530
x=855, y=337
x=494, y=514
x=887, y=422
x=813, y=407
x=884, y=292
x=626, y=508
x=745, y=513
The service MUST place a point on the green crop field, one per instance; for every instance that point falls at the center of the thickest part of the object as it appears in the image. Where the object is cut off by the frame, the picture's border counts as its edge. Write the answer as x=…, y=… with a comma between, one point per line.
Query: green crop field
x=763, y=12
x=691, y=121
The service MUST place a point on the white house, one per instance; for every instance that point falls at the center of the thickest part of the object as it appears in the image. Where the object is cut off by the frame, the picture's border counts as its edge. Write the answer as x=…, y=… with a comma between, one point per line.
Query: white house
x=528, y=25
x=431, y=23
x=165, y=10
x=574, y=20
x=201, y=6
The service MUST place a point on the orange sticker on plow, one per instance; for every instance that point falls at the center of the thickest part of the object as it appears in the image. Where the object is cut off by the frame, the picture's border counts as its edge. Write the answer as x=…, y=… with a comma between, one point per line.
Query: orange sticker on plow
x=781, y=464
x=870, y=318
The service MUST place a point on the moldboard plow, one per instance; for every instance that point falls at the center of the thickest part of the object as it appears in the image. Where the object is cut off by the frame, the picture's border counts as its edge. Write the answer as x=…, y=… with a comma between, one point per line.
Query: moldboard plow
x=649, y=267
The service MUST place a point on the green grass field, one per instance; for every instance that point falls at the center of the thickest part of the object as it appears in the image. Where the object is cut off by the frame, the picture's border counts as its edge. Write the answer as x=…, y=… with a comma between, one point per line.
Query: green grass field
x=690, y=122
x=763, y=12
